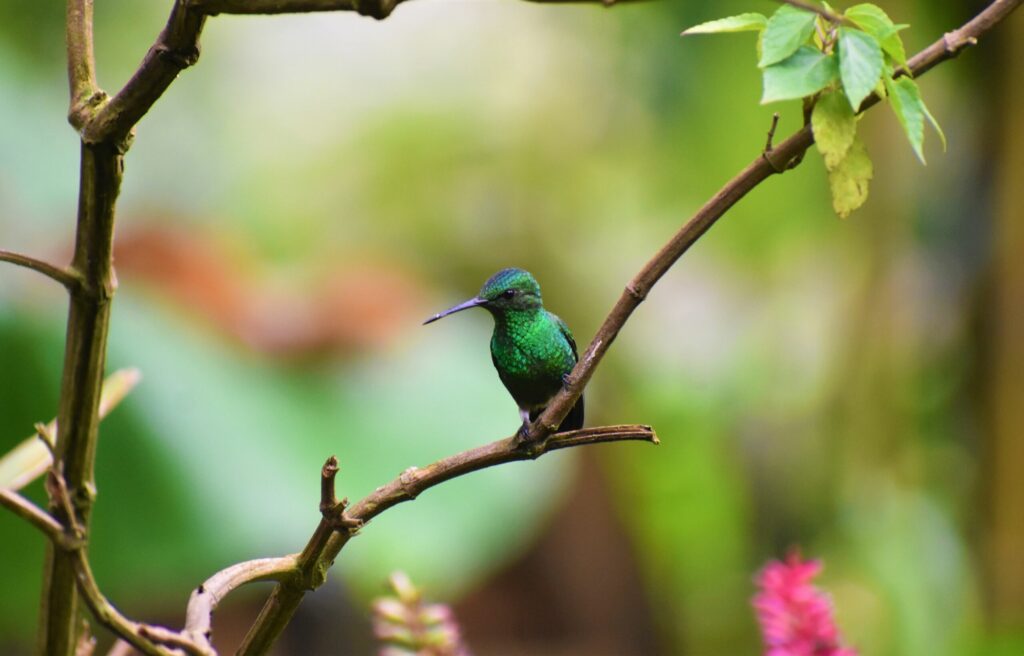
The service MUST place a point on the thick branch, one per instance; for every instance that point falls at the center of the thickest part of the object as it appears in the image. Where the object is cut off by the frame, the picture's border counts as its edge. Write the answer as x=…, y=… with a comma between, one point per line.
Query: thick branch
x=328, y=540
x=755, y=173
x=82, y=381
x=61, y=275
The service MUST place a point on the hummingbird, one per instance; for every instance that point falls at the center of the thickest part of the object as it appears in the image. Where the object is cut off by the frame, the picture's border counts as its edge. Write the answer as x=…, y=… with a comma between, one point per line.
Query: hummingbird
x=532, y=349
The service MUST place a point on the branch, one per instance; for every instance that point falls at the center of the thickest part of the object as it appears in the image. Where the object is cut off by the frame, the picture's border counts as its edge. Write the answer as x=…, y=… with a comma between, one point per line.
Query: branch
x=334, y=531
x=81, y=61
x=61, y=275
x=782, y=156
x=206, y=597
x=28, y=511
x=828, y=15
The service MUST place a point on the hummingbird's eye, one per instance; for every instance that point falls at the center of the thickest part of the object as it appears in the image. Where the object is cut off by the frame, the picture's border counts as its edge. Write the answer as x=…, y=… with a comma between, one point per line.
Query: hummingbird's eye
x=509, y=293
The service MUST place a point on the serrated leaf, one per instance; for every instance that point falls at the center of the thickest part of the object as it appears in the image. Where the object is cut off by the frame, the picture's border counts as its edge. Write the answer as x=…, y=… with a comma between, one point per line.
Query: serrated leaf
x=860, y=64
x=749, y=22
x=787, y=30
x=806, y=71
x=905, y=99
x=835, y=127
x=873, y=20
x=849, y=180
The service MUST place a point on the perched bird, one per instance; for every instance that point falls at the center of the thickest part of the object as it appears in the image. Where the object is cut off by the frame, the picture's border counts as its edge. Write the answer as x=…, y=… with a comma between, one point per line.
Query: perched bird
x=532, y=349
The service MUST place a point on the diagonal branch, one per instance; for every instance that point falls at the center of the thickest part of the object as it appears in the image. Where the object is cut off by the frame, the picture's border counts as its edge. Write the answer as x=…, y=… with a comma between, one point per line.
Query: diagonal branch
x=949, y=46
x=64, y=276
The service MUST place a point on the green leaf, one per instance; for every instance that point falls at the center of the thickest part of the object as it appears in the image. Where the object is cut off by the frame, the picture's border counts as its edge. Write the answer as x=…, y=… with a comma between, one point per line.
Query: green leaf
x=873, y=20
x=905, y=98
x=860, y=64
x=835, y=127
x=787, y=29
x=849, y=180
x=749, y=22
x=935, y=124
x=807, y=71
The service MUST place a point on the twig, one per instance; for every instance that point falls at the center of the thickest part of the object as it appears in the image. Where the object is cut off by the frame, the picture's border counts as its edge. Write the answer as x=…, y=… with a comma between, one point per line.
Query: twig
x=61, y=275
x=81, y=61
x=817, y=9
x=327, y=541
x=206, y=597
x=34, y=515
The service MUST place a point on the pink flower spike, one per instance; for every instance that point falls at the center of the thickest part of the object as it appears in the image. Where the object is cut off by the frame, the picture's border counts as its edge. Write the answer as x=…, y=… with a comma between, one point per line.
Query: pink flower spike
x=796, y=617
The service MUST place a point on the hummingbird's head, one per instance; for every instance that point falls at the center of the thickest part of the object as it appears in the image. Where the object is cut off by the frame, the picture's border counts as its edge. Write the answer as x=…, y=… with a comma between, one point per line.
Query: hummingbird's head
x=507, y=290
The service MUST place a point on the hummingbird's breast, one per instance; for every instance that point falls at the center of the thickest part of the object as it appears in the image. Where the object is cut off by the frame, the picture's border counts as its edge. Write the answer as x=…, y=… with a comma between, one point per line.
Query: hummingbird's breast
x=531, y=355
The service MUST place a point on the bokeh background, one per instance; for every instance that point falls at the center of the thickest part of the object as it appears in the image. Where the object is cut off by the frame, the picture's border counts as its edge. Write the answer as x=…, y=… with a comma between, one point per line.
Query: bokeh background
x=299, y=201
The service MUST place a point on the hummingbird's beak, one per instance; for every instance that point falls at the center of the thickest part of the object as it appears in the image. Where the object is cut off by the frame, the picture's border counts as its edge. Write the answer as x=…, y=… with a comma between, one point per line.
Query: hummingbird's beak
x=471, y=303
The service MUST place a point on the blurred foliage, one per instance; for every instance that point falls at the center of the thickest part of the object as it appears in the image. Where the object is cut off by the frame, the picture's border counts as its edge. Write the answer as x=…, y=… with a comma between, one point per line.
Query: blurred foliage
x=811, y=380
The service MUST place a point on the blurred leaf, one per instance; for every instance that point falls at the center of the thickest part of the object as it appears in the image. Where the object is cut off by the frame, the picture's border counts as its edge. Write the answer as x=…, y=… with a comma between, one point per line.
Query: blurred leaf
x=749, y=22
x=849, y=180
x=860, y=64
x=807, y=71
x=787, y=30
x=30, y=459
x=873, y=20
x=835, y=127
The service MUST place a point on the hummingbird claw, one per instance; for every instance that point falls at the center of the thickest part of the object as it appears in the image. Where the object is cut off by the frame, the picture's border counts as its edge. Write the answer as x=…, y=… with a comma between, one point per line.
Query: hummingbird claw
x=565, y=380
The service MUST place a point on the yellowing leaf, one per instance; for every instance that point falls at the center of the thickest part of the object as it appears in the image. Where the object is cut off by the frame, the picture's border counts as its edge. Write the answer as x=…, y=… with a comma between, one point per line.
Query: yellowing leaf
x=835, y=127
x=849, y=180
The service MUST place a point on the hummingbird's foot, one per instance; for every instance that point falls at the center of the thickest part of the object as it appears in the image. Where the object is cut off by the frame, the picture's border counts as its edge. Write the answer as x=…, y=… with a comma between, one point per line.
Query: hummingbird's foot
x=565, y=380
x=523, y=434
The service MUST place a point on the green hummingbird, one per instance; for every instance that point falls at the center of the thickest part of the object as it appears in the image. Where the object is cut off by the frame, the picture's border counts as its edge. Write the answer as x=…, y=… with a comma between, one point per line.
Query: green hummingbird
x=532, y=349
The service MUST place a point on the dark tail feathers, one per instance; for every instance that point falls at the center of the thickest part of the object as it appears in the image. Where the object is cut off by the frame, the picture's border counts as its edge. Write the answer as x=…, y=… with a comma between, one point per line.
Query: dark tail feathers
x=572, y=421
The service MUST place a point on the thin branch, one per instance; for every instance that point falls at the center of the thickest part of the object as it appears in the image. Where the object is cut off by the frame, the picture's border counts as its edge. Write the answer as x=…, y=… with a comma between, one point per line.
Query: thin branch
x=61, y=275
x=81, y=61
x=31, y=513
x=206, y=597
x=328, y=539
x=817, y=9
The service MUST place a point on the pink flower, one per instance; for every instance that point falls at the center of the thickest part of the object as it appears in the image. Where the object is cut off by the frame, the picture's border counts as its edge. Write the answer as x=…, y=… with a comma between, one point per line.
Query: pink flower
x=796, y=617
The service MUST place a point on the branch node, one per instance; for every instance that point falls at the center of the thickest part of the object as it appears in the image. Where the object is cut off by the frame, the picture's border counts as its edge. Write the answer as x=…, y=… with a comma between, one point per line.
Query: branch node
x=638, y=292
x=81, y=112
x=407, y=480
x=180, y=58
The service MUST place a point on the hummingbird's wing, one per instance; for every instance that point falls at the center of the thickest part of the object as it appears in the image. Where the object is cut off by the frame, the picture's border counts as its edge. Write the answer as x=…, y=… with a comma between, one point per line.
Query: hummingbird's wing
x=567, y=334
